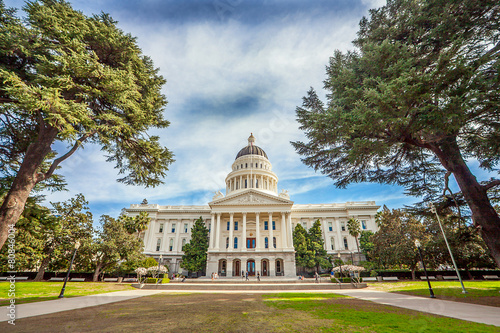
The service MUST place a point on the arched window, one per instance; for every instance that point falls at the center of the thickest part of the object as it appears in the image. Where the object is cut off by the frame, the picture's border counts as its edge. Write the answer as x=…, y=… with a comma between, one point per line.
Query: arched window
x=266, y=243
x=256, y=165
x=246, y=165
x=237, y=184
x=256, y=183
x=235, y=242
x=158, y=244
x=246, y=183
x=278, y=266
x=227, y=242
x=274, y=242
x=332, y=240
x=183, y=243
x=345, y=243
x=171, y=245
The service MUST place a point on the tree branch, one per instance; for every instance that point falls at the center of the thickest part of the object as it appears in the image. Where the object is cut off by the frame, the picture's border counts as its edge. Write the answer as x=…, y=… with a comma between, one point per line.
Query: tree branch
x=491, y=184
x=446, y=187
x=57, y=161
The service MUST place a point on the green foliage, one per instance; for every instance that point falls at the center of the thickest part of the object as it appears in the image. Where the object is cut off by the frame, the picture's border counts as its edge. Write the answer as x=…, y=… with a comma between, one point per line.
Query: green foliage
x=155, y=280
x=418, y=96
x=195, y=252
x=309, y=247
x=71, y=79
x=148, y=262
x=395, y=240
x=112, y=244
x=365, y=243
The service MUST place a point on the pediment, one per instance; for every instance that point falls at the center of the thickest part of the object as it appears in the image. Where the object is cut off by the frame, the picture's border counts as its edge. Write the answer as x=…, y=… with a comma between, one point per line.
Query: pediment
x=251, y=197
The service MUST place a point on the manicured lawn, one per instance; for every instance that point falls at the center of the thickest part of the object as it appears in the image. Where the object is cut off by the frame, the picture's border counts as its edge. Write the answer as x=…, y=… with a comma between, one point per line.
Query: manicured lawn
x=478, y=292
x=27, y=292
x=286, y=312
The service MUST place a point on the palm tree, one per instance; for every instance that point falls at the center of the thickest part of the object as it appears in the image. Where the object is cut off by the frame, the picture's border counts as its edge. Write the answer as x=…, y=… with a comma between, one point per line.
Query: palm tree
x=354, y=228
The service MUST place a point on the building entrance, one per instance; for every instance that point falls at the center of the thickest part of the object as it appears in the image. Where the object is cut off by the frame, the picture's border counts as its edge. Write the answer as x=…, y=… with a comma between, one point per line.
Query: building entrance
x=251, y=267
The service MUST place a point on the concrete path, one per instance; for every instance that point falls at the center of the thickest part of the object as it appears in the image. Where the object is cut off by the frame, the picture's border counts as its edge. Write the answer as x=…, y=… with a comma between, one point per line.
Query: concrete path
x=72, y=303
x=471, y=312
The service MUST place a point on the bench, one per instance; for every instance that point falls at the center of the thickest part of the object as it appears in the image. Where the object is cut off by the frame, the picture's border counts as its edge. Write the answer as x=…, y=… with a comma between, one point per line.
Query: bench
x=110, y=280
x=130, y=280
x=77, y=280
x=450, y=277
x=367, y=279
x=56, y=279
x=490, y=277
x=390, y=278
x=430, y=278
x=21, y=278
x=3, y=278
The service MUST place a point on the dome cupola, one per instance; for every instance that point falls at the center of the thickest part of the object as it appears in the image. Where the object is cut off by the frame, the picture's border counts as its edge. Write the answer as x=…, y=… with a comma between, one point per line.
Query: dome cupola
x=251, y=149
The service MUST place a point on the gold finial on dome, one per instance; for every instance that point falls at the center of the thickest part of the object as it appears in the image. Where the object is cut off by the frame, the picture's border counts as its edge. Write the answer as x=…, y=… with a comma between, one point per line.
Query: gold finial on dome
x=251, y=139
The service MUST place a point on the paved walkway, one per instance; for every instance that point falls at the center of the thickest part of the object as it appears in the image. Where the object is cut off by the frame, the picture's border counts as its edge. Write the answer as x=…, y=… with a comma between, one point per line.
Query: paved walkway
x=470, y=312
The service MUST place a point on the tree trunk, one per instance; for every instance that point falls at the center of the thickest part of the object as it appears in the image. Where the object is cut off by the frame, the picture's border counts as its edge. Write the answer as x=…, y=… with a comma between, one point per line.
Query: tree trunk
x=95, y=278
x=483, y=214
x=43, y=265
x=26, y=179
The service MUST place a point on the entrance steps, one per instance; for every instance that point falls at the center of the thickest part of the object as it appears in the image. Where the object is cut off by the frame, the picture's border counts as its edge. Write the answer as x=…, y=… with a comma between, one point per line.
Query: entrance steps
x=236, y=284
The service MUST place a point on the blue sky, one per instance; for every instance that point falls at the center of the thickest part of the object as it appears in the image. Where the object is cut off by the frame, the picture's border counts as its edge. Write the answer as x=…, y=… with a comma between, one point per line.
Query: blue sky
x=232, y=67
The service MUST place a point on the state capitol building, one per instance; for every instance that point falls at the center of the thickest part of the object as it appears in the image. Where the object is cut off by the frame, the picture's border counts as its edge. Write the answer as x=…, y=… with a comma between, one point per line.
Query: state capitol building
x=251, y=227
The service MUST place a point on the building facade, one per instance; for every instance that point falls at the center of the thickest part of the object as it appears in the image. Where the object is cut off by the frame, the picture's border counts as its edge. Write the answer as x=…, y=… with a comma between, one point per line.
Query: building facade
x=251, y=227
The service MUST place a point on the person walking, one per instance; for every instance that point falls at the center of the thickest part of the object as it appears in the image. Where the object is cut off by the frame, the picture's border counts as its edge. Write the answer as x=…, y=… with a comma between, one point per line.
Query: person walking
x=316, y=275
x=242, y=275
x=258, y=276
x=246, y=276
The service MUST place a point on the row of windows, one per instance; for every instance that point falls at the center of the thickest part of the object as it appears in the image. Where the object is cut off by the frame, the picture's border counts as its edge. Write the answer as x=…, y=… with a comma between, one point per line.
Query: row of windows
x=342, y=225
x=246, y=166
x=185, y=229
x=251, y=243
x=170, y=244
x=266, y=225
x=332, y=241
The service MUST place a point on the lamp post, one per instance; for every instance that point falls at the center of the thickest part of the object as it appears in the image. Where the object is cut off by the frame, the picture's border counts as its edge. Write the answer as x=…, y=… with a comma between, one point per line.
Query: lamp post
x=340, y=264
x=77, y=245
x=417, y=244
x=159, y=261
x=433, y=210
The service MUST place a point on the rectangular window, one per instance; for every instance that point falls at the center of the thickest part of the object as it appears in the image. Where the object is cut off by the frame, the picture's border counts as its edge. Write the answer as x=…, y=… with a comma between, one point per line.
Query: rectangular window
x=342, y=226
x=330, y=226
x=161, y=227
x=173, y=228
x=235, y=242
x=304, y=224
x=345, y=243
x=274, y=225
x=266, y=225
x=236, y=225
x=250, y=243
x=158, y=244
x=185, y=228
x=363, y=224
x=171, y=245
x=228, y=225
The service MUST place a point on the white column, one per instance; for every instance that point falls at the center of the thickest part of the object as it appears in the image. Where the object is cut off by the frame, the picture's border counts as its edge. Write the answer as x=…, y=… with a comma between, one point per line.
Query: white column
x=271, y=234
x=164, y=244
x=212, y=232
x=340, y=241
x=231, y=240
x=290, y=231
x=177, y=235
x=325, y=239
x=151, y=231
x=283, y=231
x=241, y=182
x=217, y=237
x=257, y=232
x=244, y=233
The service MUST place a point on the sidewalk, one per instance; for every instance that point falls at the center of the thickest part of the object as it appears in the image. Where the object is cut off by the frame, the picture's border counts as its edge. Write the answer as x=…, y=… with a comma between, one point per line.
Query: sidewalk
x=72, y=303
x=471, y=312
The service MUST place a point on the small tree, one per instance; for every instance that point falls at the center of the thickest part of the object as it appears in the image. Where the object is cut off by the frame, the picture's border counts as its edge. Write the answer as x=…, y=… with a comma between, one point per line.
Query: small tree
x=303, y=255
x=354, y=228
x=195, y=251
x=317, y=247
x=366, y=243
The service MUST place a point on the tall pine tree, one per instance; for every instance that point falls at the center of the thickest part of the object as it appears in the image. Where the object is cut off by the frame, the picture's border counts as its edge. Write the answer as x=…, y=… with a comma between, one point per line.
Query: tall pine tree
x=195, y=252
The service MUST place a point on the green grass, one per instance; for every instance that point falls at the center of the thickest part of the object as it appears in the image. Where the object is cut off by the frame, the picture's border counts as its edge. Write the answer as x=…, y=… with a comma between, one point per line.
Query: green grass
x=445, y=288
x=352, y=315
x=27, y=292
